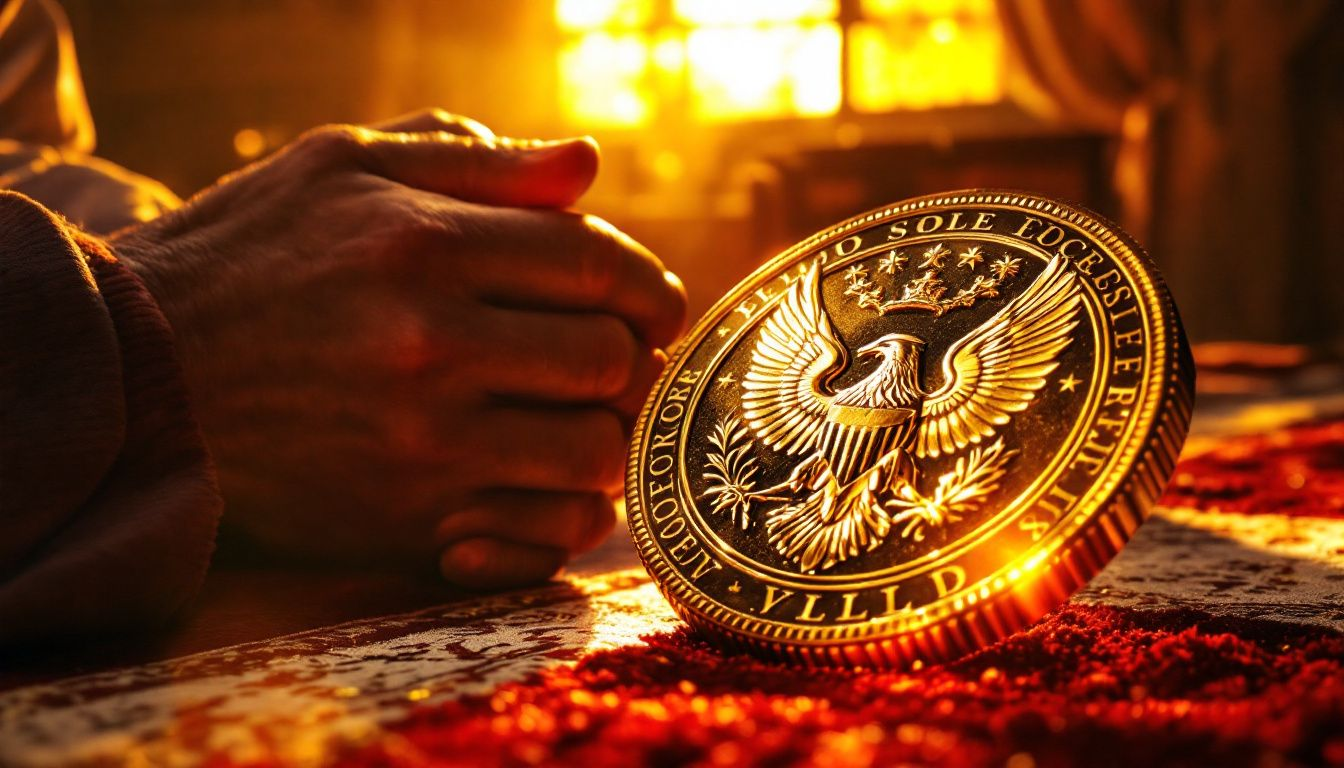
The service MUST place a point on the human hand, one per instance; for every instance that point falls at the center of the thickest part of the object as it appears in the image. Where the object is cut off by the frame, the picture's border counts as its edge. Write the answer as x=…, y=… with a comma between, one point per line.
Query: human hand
x=399, y=344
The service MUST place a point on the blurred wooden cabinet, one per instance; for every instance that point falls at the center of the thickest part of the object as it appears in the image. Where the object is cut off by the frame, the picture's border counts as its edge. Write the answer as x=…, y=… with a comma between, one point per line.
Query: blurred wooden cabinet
x=812, y=189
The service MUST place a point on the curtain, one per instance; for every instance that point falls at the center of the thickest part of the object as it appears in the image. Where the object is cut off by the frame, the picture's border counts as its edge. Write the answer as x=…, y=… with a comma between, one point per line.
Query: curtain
x=46, y=132
x=41, y=96
x=1201, y=97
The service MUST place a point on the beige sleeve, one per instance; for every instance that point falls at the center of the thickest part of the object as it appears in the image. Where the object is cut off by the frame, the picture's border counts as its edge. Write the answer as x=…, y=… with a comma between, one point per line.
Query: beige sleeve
x=41, y=96
x=46, y=133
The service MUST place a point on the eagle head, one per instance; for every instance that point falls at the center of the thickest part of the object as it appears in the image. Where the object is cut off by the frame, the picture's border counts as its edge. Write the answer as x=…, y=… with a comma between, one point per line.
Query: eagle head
x=895, y=382
x=895, y=347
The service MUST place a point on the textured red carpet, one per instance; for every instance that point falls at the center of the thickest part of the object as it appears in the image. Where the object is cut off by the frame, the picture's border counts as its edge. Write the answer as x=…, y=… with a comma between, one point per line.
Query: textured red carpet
x=1297, y=471
x=1088, y=686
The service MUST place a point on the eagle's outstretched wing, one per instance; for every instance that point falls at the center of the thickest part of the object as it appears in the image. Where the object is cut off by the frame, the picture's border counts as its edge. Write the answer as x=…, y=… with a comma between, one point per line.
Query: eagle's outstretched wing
x=995, y=370
x=783, y=394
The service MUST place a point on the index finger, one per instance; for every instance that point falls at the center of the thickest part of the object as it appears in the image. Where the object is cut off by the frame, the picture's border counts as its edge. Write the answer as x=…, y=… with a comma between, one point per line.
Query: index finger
x=565, y=260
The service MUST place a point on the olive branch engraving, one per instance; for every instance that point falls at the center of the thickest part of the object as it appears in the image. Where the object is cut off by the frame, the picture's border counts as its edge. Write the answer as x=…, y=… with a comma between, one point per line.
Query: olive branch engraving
x=732, y=469
x=958, y=492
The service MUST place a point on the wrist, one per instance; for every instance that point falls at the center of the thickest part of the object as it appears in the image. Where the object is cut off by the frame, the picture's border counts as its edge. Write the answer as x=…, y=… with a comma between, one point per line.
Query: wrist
x=138, y=251
x=165, y=268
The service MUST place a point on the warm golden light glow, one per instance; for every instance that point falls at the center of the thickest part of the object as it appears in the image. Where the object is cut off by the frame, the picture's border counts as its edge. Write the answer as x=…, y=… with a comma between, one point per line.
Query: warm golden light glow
x=944, y=63
x=943, y=31
x=668, y=166
x=669, y=53
x=927, y=9
x=578, y=15
x=743, y=12
x=249, y=143
x=764, y=71
x=603, y=80
x=763, y=59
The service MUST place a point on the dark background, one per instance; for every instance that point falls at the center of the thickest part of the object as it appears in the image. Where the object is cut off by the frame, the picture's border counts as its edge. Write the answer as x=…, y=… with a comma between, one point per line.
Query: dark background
x=1247, y=158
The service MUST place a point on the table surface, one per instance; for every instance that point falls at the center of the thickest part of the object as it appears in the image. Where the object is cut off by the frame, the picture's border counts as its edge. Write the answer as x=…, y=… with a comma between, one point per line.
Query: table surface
x=265, y=652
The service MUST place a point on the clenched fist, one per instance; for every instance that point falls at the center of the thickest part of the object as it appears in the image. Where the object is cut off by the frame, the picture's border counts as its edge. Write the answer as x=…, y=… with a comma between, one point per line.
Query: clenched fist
x=402, y=345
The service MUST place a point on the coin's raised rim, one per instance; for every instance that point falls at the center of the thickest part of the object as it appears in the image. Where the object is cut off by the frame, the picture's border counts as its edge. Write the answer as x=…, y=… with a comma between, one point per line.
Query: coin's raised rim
x=1135, y=480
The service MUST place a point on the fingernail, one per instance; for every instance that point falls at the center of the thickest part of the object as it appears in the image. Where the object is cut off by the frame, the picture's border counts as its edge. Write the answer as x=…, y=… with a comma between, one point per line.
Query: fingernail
x=584, y=139
x=674, y=280
x=533, y=144
x=548, y=147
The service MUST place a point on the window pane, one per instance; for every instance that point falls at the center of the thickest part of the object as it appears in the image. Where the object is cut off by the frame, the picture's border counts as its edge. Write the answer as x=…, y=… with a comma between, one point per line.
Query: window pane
x=595, y=14
x=729, y=12
x=941, y=62
x=756, y=72
x=925, y=8
x=602, y=79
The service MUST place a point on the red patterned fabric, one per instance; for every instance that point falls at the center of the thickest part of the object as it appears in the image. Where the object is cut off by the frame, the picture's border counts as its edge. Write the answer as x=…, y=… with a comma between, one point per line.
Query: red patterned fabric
x=1298, y=471
x=1087, y=685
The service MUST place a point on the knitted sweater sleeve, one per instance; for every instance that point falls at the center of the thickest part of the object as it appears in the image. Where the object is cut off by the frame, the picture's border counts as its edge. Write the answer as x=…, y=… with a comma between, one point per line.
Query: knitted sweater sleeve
x=108, y=500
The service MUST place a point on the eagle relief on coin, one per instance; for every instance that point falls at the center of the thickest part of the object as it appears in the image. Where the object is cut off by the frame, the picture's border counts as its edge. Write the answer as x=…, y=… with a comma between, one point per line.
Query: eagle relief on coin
x=913, y=433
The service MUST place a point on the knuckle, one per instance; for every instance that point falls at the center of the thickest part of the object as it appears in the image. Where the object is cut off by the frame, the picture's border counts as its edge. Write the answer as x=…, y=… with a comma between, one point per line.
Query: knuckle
x=600, y=259
x=470, y=559
x=436, y=119
x=612, y=351
x=450, y=122
x=680, y=300
x=600, y=519
x=332, y=144
x=573, y=518
x=440, y=115
x=600, y=459
x=414, y=234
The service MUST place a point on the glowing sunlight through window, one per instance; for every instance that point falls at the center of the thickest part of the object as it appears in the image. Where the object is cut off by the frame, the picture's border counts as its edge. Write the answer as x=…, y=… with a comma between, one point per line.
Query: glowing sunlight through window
x=623, y=62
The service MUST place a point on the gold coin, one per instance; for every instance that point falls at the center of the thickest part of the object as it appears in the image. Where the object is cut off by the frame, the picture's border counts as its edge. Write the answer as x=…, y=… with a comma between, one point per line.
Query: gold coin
x=913, y=433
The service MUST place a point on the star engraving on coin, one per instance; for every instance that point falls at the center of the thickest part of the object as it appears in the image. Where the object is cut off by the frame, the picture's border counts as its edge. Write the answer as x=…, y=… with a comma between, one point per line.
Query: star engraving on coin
x=893, y=262
x=971, y=257
x=933, y=257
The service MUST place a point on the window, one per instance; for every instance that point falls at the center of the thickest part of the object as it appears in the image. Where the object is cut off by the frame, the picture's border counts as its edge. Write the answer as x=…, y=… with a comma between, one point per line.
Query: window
x=623, y=62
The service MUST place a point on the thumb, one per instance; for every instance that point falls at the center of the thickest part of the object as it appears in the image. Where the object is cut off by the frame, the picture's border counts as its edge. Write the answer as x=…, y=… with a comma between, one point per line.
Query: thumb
x=541, y=174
